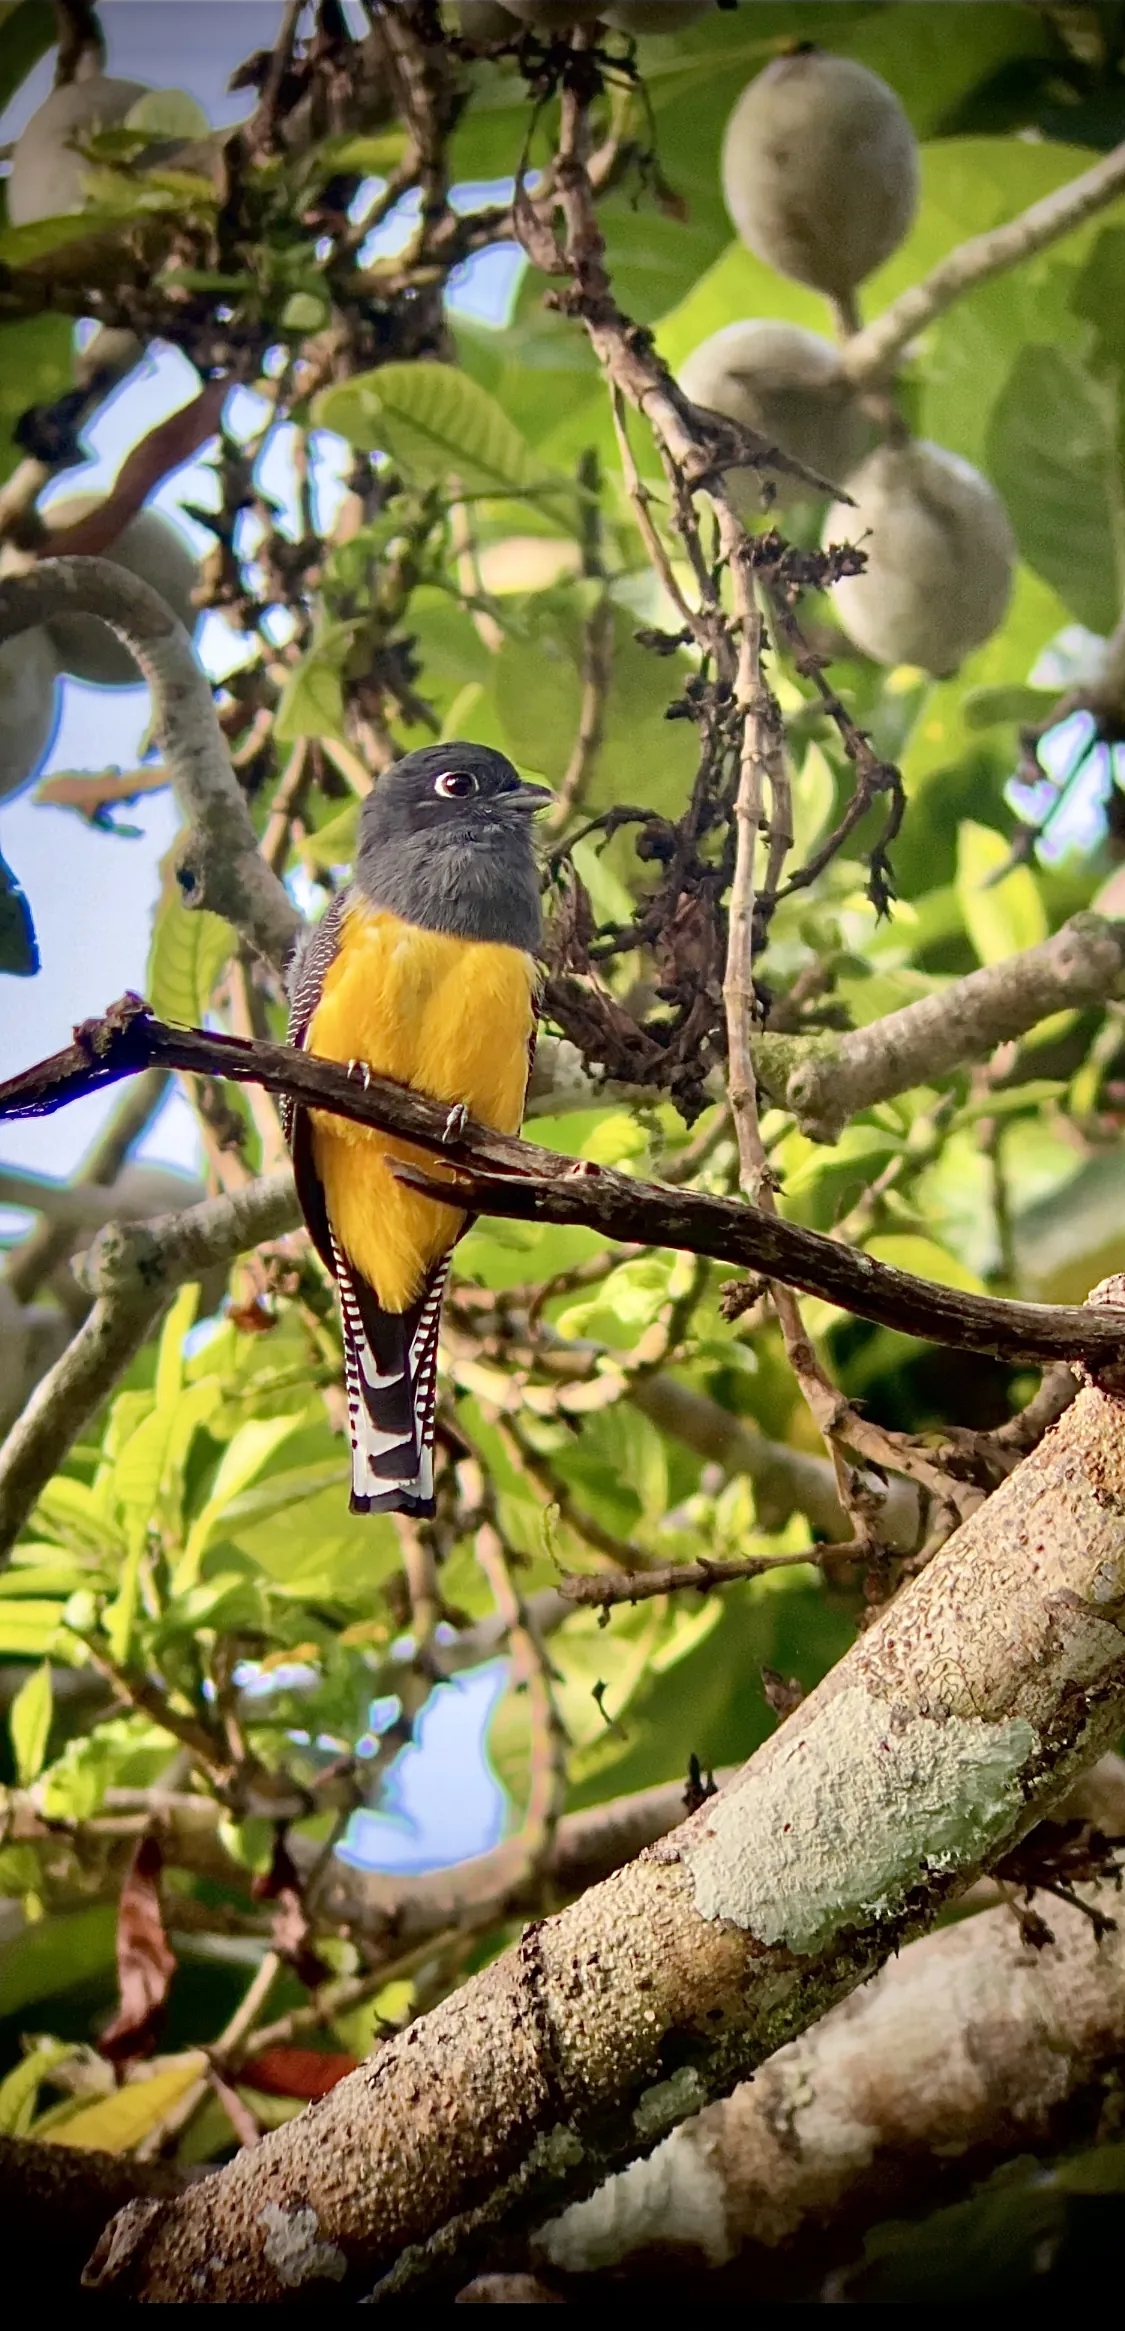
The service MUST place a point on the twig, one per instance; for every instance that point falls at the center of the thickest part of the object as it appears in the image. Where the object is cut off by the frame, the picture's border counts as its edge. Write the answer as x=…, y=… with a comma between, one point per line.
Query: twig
x=602, y=1592
x=532, y=1673
x=172, y=442
x=872, y=353
x=31, y=1263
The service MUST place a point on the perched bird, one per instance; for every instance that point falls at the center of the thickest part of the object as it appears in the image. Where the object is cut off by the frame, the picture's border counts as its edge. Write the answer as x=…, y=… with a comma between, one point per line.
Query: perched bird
x=423, y=969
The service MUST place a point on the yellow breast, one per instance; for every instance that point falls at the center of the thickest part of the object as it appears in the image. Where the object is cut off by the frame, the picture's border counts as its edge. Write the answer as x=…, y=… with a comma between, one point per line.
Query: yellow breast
x=452, y=1017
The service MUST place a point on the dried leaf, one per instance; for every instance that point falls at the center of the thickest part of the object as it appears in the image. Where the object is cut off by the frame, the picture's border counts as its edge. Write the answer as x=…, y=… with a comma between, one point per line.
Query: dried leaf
x=145, y=1962
x=303, y=2072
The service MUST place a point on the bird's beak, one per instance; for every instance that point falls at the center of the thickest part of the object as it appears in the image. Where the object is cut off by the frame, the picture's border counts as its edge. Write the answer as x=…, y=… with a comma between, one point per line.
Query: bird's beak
x=529, y=800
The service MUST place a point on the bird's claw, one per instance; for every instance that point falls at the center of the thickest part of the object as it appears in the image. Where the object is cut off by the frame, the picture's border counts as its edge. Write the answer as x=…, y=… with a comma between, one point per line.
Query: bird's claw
x=455, y=1123
x=362, y=1069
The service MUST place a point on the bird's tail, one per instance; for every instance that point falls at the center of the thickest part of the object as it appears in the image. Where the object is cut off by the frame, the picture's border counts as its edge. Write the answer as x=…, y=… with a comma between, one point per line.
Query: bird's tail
x=390, y=1366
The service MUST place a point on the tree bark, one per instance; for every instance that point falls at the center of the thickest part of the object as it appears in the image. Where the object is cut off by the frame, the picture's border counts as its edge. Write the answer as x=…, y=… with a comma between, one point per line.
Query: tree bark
x=970, y=2047
x=955, y=1722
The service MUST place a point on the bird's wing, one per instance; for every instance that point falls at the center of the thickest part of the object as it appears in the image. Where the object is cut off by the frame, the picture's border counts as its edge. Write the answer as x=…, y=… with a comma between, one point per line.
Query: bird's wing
x=306, y=983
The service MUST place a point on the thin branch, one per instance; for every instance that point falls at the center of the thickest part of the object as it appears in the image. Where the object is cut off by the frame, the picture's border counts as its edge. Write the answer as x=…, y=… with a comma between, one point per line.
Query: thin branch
x=1082, y=964
x=871, y=354
x=531, y=1673
x=172, y=442
x=601, y=1592
x=220, y=865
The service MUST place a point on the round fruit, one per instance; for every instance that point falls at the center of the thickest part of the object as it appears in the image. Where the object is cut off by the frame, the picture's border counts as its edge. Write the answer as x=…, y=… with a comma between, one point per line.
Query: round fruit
x=820, y=170
x=646, y=16
x=483, y=21
x=47, y=176
x=554, y=15
x=940, y=559
x=151, y=547
x=28, y=669
x=788, y=385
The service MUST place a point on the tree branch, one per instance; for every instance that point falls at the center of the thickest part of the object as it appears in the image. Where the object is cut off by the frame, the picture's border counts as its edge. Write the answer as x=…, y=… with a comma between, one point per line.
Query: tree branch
x=960, y=1716
x=871, y=354
x=134, y=1271
x=1082, y=964
x=495, y=1173
x=220, y=865
x=890, y=2105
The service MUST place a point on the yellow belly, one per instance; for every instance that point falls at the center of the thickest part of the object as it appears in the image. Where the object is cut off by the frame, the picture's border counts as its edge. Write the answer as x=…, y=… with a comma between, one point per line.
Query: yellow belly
x=452, y=1017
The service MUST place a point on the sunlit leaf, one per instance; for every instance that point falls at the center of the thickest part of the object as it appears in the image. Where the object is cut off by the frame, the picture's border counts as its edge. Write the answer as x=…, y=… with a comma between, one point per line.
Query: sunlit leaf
x=117, y=2123
x=29, y=1722
x=1001, y=916
x=438, y=423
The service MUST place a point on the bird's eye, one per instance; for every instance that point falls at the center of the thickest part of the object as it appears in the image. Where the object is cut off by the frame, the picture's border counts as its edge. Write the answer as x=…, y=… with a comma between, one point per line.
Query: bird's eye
x=456, y=785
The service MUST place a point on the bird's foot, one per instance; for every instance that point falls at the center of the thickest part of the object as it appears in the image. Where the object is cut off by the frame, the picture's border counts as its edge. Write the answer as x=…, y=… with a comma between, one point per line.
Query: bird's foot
x=362, y=1069
x=454, y=1126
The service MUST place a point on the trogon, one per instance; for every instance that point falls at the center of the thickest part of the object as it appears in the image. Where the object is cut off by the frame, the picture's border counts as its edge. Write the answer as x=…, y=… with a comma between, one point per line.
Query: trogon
x=424, y=969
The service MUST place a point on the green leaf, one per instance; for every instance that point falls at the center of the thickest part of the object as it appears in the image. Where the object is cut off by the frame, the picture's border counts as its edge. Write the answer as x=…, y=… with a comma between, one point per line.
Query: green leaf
x=333, y=844
x=250, y=1452
x=1052, y=454
x=115, y=2124
x=19, y=2093
x=35, y=369
x=189, y=948
x=1009, y=915
x=312, y=700
x=29, y=1722
x=29, y=32
x=19, y=951
x=29, y=1628
x=168, y=113
x=439, y=424
x=925, y=1258
x=54, y=1955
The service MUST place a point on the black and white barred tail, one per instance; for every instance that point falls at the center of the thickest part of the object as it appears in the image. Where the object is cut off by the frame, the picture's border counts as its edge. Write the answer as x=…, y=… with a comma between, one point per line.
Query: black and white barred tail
x=390, y=1370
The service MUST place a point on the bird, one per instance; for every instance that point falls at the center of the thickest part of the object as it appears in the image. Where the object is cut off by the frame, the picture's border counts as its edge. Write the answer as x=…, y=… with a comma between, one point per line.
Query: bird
x=425, y=968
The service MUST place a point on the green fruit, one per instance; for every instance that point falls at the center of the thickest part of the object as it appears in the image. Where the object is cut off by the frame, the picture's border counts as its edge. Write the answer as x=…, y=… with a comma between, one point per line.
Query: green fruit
x=940, y=558
x=483, y=21
x=28, y=669
x=788, y=385
x=47, y=175
x=554, y=15
x=820, y=170
x=152, y=548
x=648, y=16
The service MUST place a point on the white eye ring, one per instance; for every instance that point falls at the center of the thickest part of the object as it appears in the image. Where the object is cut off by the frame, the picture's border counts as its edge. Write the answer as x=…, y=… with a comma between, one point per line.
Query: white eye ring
x=456, y=785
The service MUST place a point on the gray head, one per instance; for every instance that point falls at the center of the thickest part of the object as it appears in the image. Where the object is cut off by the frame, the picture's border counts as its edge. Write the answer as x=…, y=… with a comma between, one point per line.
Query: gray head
x=445, y=842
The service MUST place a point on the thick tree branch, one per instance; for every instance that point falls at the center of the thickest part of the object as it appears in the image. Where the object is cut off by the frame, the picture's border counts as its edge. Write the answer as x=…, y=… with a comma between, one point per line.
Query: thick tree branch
x=220, y=865
x=871, y=354
x=1081, y=965
x=967, y=2049
x=954, y=1723
x=134, y=1271
x=497, y=1174
x=54, y=2202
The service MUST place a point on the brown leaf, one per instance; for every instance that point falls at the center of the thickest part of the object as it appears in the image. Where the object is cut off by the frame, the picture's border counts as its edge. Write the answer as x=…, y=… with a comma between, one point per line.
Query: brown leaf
x=145, y=1962
x=92, y=796
x=306, y=2072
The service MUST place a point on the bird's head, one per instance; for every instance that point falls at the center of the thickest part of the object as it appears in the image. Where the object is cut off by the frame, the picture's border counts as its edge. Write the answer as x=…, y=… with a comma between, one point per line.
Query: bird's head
x=445, y=841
